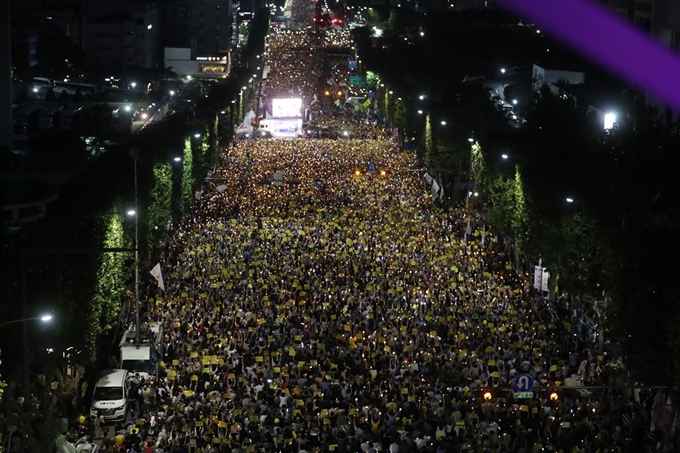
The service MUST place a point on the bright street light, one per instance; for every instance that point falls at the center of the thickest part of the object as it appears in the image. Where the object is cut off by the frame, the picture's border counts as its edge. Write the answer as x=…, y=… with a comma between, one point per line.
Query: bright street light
x=514, y=102
x=471, y=139
x=345, y=133
x=43, y=318
x=504, y=156
x=420, y=112
x=609, y=120
x=189, y=77
x=422, y=33
x=502, y=70
x=391, y=92
x=131, y=212
x=177, y=159
x=570, y=200
x=172, y=92
x=421, y=97
x=127, y=108
x=443, y=123
x=197, y=135
x=133, y=84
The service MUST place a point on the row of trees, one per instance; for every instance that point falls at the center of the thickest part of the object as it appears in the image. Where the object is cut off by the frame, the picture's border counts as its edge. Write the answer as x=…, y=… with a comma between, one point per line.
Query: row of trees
x=86, y=288
x=613, y=243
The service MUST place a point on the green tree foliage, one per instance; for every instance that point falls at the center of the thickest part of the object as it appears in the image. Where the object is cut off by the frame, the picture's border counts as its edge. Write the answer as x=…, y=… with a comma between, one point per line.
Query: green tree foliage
x=372, y=80
x=520, y=222
x=428, y=142
x=112, y=276
x=188, y=181
x=159, y=211
x=400, y=114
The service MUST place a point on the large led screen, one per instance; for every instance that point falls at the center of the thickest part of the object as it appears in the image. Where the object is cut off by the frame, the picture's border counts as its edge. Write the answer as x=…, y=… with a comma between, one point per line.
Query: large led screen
x=287, y=108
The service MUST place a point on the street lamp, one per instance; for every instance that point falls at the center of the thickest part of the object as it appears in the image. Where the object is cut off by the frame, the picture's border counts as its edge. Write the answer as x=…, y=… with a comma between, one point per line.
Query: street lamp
x=609, y=120
x=197, y=135
x=177, y=159
x=570, y=200
x=420, y=112
x=172, y=93
x=514, y=101
x=505, y=156
x=133, y=85
x=43, y=318
x=443, y=123
x=421, y=97
x=471, y=139
x=131, y=212
x=502, y=70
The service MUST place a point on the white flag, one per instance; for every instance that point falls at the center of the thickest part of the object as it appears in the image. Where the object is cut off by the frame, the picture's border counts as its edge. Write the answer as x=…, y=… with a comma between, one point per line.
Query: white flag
x=435, y=190
x=468, y=230
x=483, y=234
x=158, y=275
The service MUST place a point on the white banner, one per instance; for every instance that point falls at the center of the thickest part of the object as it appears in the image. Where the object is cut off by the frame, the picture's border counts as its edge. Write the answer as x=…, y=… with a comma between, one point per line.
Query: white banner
x=541, y=278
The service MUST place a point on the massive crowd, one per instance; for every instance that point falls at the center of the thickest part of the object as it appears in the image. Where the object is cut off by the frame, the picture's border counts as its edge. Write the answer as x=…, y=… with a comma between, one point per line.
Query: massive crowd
x=336, y=308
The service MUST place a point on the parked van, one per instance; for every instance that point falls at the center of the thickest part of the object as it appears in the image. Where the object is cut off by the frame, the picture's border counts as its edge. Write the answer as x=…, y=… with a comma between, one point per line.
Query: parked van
x=110, y=396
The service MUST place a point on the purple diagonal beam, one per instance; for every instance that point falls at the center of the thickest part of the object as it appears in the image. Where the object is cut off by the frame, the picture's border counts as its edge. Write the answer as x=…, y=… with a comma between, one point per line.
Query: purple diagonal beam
x=609, y=42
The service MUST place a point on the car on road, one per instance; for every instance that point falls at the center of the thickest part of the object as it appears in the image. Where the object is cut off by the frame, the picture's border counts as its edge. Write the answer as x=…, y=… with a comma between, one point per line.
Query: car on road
x=110, y=398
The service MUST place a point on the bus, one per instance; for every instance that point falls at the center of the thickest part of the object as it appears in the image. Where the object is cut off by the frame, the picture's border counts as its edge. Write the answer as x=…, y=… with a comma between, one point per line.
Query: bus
x=72, y=88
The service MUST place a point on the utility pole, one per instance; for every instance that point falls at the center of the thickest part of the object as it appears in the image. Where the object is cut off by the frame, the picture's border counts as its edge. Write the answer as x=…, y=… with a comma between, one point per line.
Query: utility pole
x=6, y=128
x=134, y=153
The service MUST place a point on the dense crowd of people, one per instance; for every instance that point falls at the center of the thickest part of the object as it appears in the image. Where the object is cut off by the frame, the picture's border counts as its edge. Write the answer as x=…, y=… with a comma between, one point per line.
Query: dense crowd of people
x=320, y=301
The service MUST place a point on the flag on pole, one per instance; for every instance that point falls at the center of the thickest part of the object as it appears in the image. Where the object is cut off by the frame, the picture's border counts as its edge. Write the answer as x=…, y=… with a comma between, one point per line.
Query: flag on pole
x=435, y=190
x=158, y=275
x=468, y=230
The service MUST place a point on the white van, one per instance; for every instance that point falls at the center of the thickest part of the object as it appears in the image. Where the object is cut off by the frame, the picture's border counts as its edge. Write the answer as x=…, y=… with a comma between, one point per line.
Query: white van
x=110, y=396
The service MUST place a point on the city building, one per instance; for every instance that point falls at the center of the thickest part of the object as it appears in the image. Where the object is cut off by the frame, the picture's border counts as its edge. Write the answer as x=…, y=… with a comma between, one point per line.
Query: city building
x=198, y=37
x=123, y=33
x=183, y=62
x=209, y=27
x=659, y=18
x=549, y=73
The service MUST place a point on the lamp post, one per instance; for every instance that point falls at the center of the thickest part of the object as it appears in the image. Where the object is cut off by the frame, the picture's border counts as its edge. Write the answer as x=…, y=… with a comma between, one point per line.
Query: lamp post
x=134, y=153
x=43, y=318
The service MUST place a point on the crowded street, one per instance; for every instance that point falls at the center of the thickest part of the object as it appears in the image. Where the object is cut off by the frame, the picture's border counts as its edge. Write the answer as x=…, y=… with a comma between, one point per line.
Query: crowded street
x=318, y=299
